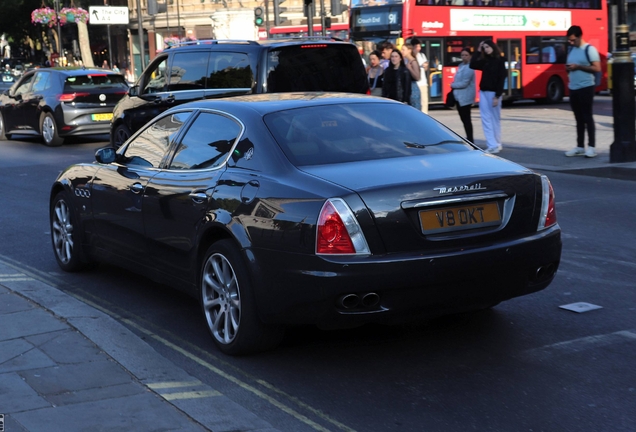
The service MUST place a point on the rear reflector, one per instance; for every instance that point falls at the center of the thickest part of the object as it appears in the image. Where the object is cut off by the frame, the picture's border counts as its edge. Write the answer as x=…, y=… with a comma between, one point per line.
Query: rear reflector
x=70, y=97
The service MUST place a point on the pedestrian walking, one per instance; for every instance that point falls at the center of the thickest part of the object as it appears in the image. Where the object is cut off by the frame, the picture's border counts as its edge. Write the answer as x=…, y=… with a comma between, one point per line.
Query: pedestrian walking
x=375, y=74
x=463, y=88
x=423, y=82
x=492, y=65
x=397, y=79
x=414, y=69
x=582, y=64
x=105, y=65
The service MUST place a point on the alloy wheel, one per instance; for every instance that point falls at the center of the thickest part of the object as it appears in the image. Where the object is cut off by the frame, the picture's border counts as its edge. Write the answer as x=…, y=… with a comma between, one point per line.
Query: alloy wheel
x=221, y=298
x=48, y=129
x=62, y=232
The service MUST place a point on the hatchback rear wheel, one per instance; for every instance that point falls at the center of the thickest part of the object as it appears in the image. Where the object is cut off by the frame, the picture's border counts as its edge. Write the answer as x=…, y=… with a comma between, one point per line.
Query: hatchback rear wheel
x=3, y=133
x=48, y=129
x=228, y=304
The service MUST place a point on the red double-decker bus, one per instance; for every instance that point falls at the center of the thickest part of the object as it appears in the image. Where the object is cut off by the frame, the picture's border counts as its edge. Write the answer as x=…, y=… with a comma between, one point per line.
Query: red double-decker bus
x=339, y=31
x=530, y=33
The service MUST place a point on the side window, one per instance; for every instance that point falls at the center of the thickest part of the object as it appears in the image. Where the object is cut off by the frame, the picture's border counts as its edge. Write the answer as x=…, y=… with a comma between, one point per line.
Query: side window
x=41, y=81
x=207, y=143
x=188, y=71
x=229, y=70
x=546, y=50
x=156, y=79
x=24, y=85
x=149, y=148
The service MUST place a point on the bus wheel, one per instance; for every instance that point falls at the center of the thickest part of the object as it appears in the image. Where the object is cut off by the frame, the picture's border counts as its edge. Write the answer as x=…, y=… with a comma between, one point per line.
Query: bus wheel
x=554, y=91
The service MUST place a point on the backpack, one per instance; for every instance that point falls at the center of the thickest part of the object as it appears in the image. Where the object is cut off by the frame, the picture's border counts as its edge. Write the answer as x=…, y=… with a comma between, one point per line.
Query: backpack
x=597, y=75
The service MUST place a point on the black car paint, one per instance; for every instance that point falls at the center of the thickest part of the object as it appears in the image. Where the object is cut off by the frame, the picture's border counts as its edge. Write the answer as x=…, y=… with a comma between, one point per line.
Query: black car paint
x=413, y=274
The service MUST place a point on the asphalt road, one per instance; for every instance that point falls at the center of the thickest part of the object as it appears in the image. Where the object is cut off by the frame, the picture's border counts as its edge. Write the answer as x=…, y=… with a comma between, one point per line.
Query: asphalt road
x=525, y=365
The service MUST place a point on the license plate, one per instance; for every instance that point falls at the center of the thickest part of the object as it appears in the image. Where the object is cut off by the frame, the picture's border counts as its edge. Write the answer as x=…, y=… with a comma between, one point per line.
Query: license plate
x=101, y=117
x=460, y=218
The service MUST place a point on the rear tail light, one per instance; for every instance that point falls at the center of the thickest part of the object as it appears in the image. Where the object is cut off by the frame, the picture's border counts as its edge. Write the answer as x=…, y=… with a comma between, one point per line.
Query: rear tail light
x=548, y=209
x=70, y=97
x=338, y=231
x=314, y=46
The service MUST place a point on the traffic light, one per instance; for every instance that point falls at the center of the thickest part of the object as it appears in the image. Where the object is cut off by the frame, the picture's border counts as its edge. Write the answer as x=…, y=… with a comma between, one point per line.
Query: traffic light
x=155, y=7
x=309, y=8
x=279, y=20
x=337, y=8
x=258, y=16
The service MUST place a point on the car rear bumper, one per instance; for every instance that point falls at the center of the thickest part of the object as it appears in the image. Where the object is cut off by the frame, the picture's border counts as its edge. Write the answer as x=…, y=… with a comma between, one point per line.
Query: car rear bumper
x=80, y=122
x=309, y=289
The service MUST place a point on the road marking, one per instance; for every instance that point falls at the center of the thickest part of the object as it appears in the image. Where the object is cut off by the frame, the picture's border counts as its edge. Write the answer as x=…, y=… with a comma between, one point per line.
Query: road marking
x=189, y=395
x=173, y=384
x=579, y=345
x=243, y=385
x=14, y=277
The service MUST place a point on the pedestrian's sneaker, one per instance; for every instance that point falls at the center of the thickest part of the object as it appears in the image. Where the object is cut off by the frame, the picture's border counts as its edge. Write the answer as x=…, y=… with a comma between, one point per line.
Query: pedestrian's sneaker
x=493, y=150
x=590, y=153
x=577, y=151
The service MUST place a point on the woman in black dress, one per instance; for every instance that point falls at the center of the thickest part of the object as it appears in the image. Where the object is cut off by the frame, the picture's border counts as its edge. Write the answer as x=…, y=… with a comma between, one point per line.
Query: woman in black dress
x=397, y=79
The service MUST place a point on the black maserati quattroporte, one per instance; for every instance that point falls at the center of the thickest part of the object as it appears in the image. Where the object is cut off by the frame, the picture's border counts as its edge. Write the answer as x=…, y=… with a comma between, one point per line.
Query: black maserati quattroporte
x=330, y=209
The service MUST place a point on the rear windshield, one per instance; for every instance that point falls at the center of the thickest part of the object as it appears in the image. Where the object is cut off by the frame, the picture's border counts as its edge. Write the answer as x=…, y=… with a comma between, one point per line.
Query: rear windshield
x=352, y=132
x=97, y=81
x=316, y=67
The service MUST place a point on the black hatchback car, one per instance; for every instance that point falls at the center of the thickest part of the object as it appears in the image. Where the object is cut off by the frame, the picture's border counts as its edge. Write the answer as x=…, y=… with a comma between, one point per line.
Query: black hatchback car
x=60, y=102
x=217, y=68
x=329, y=209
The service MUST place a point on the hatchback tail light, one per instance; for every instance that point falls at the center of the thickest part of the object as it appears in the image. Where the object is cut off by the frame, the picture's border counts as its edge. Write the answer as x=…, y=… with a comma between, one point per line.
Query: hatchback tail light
x=70, y=97
x=548, y=215
x=338, y=231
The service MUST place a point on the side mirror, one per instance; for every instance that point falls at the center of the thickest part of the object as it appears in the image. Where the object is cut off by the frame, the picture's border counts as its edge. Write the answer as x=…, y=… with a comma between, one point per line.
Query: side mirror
x=105, y=155
x=133, y=91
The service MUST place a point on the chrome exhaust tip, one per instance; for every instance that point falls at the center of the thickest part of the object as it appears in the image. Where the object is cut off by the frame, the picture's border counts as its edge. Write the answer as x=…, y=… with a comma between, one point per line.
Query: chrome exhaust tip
x=370, y=299
x=349, y=301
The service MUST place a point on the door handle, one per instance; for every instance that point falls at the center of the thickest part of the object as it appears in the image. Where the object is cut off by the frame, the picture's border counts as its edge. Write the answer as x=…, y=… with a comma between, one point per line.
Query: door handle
x=136, y=188
x=169, y=99
x=198, y=197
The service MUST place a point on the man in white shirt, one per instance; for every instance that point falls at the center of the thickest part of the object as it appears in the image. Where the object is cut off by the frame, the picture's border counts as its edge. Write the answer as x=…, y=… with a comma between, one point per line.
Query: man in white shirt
x=423, y=82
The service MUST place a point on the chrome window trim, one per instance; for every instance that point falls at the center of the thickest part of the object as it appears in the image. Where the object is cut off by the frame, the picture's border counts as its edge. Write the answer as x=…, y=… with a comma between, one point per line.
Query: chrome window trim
x=197, y=113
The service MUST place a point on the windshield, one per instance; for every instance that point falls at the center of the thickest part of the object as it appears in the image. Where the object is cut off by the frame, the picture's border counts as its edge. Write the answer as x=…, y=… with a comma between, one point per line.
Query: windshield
x=316, y=67
x=354, y=132
x=96, y=81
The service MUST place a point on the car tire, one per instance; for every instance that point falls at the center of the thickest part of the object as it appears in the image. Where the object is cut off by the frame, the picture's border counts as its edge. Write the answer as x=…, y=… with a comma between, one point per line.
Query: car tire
x=554, y=91
x=121, y=134
x=229, y=308
x=3, y=135
x=48, y=129
x=65, y=234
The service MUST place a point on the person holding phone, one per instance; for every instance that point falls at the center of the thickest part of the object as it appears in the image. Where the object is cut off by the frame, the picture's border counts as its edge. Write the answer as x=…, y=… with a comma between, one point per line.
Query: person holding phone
x=582, y=63
x=489, y=61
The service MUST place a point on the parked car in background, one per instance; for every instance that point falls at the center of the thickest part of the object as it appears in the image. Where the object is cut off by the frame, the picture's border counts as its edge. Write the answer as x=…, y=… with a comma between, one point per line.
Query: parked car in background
x=329, y=209
x=60, y=102
x=213, y=69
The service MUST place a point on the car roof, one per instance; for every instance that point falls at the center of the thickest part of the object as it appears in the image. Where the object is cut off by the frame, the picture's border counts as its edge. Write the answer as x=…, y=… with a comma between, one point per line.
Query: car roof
x=271, y=102
x=75, y=71
x=269, y=43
